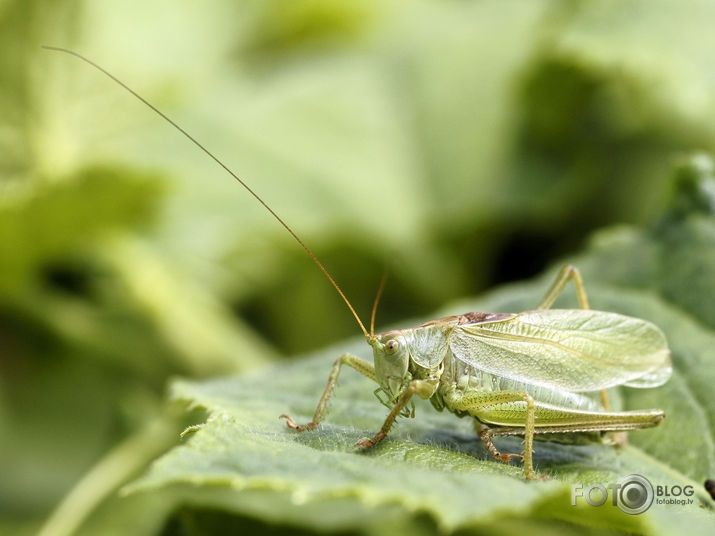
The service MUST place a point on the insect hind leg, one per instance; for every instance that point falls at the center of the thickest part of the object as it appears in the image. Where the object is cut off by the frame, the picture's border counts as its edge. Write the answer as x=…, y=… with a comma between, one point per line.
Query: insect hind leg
x=486, y=434
x=474, y=401
x=571, y=273
x=567, y=273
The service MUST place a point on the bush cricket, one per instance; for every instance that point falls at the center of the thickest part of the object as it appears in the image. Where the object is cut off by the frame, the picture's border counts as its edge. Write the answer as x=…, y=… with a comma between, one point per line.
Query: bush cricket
x=529, y=373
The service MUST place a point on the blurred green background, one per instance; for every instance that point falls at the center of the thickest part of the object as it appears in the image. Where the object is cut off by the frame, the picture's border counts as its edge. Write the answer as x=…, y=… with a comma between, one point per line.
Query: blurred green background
x=455, y=144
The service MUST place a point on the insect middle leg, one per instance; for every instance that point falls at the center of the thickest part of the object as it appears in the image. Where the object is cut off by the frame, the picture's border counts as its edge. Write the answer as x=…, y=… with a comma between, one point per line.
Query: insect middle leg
x=363, y=367
x=473, y=401
x=571, y=273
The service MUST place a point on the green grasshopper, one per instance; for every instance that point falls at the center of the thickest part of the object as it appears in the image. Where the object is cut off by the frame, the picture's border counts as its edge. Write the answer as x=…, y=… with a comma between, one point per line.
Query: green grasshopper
x=517, y=374
x=528, y=373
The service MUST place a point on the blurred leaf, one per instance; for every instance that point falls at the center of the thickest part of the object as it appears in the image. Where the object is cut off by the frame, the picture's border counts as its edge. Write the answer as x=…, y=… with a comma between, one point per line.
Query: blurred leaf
x=286, y=26
x=22, y=95
x=44, y=224
x=203, y=333
x=119, y=464
x=676, y=255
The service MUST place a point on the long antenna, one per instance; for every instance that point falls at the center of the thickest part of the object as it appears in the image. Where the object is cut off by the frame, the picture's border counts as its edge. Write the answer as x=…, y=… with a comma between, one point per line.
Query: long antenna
x=227, y=169
x=375, y=302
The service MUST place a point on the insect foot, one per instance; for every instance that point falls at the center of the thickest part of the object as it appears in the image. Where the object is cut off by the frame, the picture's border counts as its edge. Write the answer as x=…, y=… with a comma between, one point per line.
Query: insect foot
x=368, y=443
x=506, y=458
x=619, y=439
x=290, y=423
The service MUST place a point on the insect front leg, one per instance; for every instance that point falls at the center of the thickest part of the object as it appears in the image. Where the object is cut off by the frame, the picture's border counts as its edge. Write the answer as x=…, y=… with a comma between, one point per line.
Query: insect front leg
x=474, y=401
x=363, y=367
x=571, y=273
x=422, y=388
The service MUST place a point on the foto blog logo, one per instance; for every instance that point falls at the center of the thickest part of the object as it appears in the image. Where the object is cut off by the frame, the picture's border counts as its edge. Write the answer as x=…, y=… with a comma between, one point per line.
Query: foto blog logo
x=632, y=494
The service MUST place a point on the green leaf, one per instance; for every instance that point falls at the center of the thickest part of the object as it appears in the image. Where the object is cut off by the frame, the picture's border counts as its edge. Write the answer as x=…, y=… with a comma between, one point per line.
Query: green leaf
x=432, y=465
x=245, y=461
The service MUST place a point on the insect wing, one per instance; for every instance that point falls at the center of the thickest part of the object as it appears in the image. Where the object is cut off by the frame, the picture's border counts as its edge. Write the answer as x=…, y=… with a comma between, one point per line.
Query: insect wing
x=571, y=349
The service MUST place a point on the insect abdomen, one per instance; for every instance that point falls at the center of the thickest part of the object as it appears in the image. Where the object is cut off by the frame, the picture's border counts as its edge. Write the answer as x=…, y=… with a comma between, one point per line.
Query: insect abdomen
x=470, y=378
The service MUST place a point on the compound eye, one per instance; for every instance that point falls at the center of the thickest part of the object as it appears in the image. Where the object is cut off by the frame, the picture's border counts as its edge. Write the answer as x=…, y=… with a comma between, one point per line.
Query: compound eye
x=391, y=346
